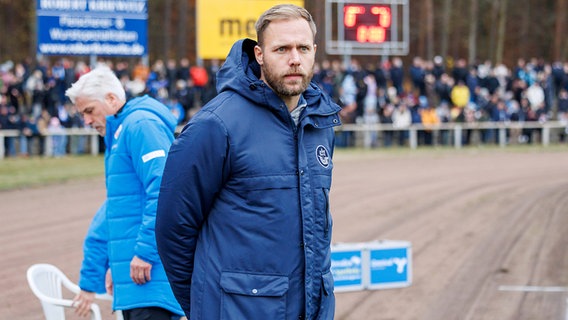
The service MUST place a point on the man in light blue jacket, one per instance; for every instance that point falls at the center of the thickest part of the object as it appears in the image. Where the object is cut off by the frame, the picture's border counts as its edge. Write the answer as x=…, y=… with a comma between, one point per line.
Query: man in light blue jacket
x=121, y=239
x=243, y=224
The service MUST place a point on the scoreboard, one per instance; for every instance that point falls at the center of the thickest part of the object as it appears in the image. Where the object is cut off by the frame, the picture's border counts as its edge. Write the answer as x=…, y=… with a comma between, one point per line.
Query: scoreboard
x=367, y=27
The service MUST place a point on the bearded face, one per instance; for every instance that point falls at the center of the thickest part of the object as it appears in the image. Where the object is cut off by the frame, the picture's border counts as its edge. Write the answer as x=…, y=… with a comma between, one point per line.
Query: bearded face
x=287, y=58
x=287, y=83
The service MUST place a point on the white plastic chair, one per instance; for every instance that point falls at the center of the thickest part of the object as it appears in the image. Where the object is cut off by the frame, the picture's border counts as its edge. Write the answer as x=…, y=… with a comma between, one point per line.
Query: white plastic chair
x=47, y=281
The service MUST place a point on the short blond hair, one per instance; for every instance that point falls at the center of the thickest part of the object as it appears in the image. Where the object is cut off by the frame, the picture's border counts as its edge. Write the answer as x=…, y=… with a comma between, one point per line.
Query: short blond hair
x=282, y=12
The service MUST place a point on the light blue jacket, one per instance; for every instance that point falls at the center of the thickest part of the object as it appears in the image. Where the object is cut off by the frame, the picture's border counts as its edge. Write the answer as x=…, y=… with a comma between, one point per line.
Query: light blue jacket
x=137, y=140
x=244, y=225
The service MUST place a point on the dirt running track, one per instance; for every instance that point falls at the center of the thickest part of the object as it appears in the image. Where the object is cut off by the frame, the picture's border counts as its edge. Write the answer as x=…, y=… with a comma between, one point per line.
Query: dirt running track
x=477, y=221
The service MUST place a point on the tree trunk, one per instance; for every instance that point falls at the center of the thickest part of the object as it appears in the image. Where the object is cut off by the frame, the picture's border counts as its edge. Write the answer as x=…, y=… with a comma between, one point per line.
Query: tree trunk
x=473, y=22
x=429, y=29
x=445, y=29
x=181, y=31
x=501, y=32
x=524, y=30
x=167, y=30
x=559, y=48
x=493, y=29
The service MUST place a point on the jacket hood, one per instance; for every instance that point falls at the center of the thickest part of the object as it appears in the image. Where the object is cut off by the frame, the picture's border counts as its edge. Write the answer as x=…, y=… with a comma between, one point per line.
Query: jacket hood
x=241, y=73
x=146, y=103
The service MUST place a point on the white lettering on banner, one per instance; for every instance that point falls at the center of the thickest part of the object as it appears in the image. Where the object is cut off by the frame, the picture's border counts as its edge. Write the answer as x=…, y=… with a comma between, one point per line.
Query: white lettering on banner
x=153, y=155
x=347, y=274
x=384, y=263
x=135, y=49
x=354, y=261
x=79, y=5
x=84, y=22
x=92, y=35
x=117, y=6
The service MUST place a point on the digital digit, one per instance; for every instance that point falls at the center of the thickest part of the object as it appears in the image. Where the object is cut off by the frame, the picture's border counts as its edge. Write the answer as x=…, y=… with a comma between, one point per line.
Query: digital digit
x=350, y=15
x=384, y=16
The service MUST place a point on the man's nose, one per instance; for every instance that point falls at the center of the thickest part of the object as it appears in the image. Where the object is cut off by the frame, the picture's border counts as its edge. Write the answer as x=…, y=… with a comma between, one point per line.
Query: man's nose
x=294, y=57
x=87, y=119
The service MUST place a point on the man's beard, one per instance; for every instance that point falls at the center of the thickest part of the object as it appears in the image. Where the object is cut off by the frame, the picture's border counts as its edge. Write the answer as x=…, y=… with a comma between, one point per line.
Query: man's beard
x=278, y=83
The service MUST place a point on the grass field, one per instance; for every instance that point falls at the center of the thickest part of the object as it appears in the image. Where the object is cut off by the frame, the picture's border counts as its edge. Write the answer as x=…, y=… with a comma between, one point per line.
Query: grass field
x=17, y=173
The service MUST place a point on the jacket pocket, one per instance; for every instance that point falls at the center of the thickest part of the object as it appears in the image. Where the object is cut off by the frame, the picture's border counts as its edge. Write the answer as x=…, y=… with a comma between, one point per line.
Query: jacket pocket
x=327, y=305
x=253, y=296
x=328, y=222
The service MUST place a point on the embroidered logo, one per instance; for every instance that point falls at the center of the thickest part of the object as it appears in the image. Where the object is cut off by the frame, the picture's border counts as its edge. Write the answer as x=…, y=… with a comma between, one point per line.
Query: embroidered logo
x=323, y=156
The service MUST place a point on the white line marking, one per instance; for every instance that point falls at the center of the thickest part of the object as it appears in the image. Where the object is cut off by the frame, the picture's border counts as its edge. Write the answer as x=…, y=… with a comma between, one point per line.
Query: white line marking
x=533, y=289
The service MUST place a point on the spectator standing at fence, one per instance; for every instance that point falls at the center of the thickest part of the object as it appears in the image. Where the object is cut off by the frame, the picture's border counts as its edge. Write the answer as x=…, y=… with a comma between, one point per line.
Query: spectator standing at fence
x=430, y=120
x=418, y=76
x=460, y=95
x=243, y=223
x=535, y=95
x=402, y=119
x=57, y=137
x=396, y=74
x=8, y=121
x=138, y=134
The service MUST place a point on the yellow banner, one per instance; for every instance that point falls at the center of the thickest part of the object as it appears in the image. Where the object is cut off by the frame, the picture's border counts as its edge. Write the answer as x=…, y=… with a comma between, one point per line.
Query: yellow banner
x=222, y=22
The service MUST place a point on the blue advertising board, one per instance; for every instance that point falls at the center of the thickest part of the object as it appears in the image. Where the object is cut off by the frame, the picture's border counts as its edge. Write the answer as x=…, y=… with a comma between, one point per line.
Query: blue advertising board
x=389, y=265
x=347, y=267
x=371, y=265
x=92, y=27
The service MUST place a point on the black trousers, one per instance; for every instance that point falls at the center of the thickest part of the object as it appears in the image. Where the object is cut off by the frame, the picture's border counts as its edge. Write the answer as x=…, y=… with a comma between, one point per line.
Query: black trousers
x=149, y=313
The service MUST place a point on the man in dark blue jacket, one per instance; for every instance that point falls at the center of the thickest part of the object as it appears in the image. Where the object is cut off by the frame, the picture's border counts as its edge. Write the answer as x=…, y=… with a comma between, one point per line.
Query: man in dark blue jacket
x=243, y=224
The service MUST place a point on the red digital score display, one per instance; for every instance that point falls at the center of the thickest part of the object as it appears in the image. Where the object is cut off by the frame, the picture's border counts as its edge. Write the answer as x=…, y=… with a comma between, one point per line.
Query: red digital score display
x=367, y=23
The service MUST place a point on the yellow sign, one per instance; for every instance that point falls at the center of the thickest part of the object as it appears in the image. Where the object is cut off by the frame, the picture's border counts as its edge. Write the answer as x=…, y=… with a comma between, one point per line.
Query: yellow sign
x=222, y=22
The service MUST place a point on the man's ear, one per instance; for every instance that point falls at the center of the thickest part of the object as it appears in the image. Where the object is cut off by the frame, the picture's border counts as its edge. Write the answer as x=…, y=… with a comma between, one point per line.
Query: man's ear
x=258, y=54
x=111, y=100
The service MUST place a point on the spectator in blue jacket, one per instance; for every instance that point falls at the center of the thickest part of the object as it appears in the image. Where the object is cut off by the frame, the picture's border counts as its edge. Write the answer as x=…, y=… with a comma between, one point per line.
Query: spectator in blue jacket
x=138, y=134
x=243, y=225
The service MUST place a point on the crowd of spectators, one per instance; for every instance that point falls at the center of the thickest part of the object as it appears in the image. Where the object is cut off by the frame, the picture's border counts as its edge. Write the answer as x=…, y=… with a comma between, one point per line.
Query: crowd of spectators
x=427, y=92
x=433, y=92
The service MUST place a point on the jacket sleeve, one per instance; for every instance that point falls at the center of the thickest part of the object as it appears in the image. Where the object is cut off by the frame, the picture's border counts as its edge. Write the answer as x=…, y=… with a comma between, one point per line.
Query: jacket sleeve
x=95, y=254
x=149, y=142
x=195, y=171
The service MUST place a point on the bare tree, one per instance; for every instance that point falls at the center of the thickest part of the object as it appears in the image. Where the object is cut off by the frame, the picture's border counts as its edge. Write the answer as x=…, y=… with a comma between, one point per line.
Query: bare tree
x=493, y=28
x=445, y=28
x=181, y=43
x=167, y=29
x=501, y=31
x=560, y=49
x=524, y=28
x=473, y=23
x=429, y=29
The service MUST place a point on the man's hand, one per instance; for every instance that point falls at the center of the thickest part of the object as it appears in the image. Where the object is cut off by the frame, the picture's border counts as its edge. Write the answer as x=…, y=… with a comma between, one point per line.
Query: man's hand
x=108, y=283
x=82, y=303
x=140, y=270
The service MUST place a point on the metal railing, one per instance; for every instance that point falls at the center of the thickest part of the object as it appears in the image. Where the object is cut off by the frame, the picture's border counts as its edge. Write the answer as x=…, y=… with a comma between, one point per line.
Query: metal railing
x=47, y=147
x=505, y=130
x=546, y=130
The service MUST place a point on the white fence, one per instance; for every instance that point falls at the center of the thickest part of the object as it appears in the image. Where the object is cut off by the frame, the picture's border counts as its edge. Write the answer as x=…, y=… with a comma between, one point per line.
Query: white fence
x=92, y=134
x=544, y=133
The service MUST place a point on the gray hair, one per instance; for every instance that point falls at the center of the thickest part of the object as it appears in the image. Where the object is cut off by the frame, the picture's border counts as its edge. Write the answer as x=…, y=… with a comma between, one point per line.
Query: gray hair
x=282, y=12
x=96, y=84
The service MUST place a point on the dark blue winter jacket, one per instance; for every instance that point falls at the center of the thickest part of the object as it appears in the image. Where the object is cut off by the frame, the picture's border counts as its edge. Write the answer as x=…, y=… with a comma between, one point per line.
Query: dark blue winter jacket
x=243, y=225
